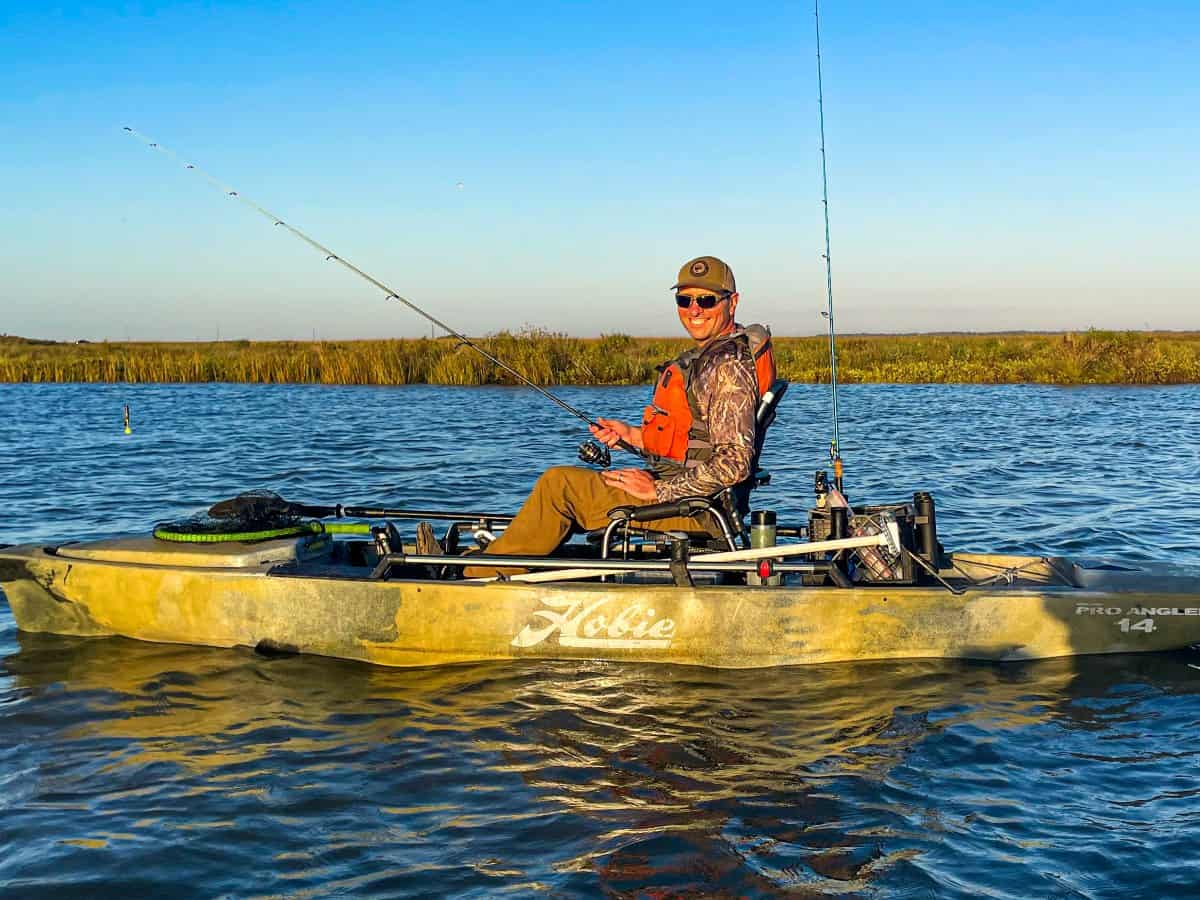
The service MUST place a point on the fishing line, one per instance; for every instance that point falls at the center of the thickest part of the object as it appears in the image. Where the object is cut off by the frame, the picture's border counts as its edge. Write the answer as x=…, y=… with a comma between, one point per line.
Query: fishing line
x=835, y=448
x=390, y=294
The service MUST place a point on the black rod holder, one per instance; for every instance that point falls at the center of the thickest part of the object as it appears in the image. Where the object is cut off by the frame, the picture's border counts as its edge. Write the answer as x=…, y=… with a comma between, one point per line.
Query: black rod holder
x=925, y=520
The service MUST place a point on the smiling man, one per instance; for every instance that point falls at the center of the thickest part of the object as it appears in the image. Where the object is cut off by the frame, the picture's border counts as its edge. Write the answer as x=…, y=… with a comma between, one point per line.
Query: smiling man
x=698, y=432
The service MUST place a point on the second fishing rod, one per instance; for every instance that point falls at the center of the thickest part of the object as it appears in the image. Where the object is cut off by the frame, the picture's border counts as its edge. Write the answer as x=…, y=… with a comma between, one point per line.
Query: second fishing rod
x=589, y=451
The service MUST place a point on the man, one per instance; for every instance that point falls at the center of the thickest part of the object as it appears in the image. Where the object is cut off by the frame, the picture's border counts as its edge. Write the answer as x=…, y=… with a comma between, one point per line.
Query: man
x=699, y=431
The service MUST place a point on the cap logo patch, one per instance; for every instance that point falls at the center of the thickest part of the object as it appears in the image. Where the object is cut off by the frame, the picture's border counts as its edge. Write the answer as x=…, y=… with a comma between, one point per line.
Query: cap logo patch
x=699, y=268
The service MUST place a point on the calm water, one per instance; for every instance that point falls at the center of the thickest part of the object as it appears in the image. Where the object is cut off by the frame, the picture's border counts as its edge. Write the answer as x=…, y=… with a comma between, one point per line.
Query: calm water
x=130, y=769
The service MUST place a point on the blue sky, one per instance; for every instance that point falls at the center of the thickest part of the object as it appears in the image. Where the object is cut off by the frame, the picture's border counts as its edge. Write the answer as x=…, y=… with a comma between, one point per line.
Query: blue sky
x=992, y=166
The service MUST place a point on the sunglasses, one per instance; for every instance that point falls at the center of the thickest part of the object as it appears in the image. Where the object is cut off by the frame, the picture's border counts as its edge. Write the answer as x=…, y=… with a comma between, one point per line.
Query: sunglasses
x=704, y=301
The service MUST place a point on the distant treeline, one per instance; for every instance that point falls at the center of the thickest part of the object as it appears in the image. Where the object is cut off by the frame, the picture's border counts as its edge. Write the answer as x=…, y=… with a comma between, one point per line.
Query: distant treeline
x=1090, y=357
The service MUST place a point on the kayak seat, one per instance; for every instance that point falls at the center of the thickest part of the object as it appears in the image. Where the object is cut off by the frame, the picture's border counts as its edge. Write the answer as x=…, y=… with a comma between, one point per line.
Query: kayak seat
x=728, y=507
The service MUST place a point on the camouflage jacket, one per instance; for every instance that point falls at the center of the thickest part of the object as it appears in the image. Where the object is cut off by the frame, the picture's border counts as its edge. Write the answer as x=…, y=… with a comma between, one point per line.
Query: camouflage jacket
x=726, y=394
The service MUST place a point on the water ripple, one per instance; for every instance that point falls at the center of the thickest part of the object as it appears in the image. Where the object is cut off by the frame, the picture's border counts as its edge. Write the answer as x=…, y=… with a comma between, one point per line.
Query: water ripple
x=136, y=769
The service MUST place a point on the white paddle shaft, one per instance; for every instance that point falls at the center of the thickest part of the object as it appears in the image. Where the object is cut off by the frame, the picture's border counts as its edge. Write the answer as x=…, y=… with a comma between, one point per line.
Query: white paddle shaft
x=777, y=552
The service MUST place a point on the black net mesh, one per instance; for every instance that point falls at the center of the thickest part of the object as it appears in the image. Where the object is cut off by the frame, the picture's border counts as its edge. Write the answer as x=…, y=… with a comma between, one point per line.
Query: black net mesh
x=265, y=508
x=253, y=511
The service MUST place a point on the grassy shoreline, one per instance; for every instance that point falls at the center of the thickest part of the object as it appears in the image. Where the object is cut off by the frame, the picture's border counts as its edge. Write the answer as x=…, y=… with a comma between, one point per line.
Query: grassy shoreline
x=1090, y=357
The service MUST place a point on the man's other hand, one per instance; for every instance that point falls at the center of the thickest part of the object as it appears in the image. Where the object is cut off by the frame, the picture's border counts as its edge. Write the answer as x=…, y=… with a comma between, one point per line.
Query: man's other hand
x=637, y=483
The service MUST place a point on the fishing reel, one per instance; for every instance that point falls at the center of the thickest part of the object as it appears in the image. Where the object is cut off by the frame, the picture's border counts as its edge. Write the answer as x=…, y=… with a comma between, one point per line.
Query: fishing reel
x=594, y=454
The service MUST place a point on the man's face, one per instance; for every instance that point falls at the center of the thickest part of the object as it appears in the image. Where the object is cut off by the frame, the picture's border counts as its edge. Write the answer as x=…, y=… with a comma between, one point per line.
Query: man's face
x=705, y=324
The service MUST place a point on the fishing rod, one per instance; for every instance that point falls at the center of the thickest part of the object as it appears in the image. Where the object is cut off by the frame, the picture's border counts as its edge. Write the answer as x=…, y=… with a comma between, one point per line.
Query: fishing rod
x=588, y=451
x=835, y=447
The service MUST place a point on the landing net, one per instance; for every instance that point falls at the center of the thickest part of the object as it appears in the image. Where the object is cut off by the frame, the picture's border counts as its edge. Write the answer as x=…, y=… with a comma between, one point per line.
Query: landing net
x=248, y=517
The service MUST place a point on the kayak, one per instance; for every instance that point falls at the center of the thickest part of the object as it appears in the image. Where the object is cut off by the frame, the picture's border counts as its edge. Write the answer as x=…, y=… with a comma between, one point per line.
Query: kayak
x=321, y=594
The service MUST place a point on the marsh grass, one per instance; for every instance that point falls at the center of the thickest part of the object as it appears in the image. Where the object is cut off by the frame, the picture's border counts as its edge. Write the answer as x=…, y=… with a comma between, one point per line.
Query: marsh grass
x=1091, y=357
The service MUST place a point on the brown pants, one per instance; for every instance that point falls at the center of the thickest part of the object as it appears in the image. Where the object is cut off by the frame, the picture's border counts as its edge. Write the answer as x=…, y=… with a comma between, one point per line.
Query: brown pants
x=566, y=497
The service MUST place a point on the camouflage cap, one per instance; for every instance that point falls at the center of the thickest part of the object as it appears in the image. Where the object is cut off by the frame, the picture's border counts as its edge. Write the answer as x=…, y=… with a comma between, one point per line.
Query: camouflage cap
x=706, y=272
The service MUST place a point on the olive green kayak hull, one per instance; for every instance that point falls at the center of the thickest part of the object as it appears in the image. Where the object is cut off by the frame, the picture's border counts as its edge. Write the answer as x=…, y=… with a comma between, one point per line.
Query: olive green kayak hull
x=269, y=596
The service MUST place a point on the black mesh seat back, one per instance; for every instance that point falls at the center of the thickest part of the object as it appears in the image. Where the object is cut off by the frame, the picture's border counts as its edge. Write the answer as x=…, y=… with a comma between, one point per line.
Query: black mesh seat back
x=765, y=416
x=767, y=407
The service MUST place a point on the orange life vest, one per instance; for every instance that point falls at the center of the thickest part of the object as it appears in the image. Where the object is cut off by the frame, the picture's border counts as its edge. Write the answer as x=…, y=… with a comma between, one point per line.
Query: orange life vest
x=671, y=424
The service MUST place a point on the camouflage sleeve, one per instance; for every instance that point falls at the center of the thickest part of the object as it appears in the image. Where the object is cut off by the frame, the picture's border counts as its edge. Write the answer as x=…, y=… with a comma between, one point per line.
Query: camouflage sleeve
x=728, y=396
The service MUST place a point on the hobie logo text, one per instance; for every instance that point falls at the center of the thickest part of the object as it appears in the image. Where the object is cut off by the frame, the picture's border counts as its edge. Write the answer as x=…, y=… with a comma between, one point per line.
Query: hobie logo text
x=597, y=623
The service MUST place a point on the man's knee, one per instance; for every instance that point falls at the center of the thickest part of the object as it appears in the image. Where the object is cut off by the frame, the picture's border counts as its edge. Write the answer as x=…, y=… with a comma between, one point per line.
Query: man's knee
x=570, y=491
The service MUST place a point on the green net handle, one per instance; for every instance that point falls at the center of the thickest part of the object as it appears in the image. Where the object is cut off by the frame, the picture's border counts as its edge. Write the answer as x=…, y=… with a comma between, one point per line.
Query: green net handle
x=166, y=533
